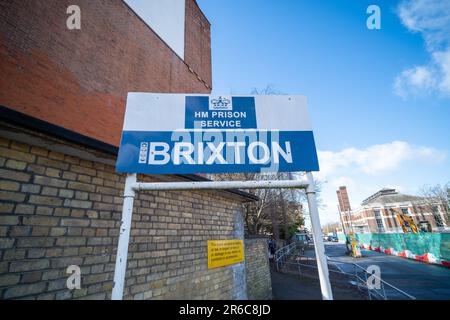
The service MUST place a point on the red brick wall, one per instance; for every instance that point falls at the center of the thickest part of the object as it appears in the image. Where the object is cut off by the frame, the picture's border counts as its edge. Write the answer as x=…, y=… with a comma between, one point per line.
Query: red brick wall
x=344, y=202
x=198, y=42
x=78, y=79
x=57, y=210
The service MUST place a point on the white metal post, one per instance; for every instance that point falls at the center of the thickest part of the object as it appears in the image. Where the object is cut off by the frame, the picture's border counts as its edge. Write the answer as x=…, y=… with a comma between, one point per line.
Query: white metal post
x=322, y=264
x=131, y=186
x=124, y=238
x=220, y=185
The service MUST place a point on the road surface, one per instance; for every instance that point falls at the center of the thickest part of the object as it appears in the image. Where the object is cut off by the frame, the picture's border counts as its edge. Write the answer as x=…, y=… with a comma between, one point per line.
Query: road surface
x=295, y=287
x=421, y=280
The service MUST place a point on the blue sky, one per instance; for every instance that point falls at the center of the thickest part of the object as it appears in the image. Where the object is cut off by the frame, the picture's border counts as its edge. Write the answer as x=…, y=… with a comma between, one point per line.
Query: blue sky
x=379, y=99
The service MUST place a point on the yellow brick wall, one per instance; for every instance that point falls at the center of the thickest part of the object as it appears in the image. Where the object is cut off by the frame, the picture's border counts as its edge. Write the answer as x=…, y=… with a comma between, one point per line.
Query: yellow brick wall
x=259, y=284
x=58, y=210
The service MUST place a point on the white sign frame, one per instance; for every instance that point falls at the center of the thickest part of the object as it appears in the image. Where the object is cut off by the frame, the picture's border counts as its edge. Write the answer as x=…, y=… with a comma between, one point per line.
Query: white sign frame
x=290, y=116
x=132, y=186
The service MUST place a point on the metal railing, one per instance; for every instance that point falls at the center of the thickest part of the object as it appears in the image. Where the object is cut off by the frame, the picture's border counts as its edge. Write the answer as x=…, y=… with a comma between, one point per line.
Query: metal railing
x=283, y=251
x=358, y=277
x=362, y=275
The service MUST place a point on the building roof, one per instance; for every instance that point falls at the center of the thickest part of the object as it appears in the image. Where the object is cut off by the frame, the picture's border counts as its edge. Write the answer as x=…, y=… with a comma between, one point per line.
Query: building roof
x=386, y=196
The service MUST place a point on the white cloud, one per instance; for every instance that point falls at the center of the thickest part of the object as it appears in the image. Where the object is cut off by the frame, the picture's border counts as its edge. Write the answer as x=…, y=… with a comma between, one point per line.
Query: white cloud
x=366, y=170
x=342, y=181
x=430, y=18
x=414, y=81
x=443, y=60
x=376, y=159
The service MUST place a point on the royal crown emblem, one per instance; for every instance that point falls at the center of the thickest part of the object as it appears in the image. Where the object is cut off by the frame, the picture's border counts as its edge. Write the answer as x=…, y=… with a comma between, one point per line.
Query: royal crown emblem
x=220, y=103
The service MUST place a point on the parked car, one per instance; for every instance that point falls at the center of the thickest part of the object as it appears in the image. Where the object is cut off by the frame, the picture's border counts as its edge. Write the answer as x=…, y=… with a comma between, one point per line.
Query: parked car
x=301, y=238
x=303, y=241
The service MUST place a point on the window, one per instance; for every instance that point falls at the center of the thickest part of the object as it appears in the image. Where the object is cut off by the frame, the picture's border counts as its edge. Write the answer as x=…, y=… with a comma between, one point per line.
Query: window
x=437, y=217
x=379, y=220
x=405, y=211
x=394, y=217
x=360, y=229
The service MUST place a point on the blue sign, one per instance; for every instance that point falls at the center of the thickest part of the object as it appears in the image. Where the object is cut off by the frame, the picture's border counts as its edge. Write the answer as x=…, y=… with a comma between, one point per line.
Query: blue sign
x=221, y=113
x=181, y=134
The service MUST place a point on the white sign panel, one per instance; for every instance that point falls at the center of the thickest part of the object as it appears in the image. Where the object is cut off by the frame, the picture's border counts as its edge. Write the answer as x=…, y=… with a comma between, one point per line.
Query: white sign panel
x=178, y=133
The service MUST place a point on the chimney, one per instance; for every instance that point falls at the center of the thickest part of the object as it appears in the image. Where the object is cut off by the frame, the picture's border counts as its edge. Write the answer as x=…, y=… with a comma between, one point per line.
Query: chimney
x=344, y=202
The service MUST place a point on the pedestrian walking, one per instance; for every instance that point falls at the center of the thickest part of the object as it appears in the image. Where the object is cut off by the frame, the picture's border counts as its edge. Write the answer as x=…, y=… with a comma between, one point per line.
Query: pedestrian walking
x=272, y=248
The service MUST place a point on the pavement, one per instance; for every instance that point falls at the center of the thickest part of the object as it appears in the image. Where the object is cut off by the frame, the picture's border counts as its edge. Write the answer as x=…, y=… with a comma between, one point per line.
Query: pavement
x=295, y=287
x=421, y=280
x=290, y=287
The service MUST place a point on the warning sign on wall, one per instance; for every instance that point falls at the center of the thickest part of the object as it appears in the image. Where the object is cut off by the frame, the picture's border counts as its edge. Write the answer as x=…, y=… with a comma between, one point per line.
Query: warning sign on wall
x=225, y=252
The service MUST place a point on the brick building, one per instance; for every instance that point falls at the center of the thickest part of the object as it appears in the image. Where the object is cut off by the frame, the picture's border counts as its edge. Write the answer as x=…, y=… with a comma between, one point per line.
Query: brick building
x=377, y=213
x=344, y=202
x=62, y=99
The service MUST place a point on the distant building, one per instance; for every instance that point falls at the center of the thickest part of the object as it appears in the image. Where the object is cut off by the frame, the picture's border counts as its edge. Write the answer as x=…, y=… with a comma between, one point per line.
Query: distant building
x=377, y=213
x=344, y=202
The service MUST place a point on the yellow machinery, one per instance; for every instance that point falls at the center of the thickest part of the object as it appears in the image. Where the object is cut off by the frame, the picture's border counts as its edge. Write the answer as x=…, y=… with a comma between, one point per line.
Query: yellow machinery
x=355, y=247
x=407, y=223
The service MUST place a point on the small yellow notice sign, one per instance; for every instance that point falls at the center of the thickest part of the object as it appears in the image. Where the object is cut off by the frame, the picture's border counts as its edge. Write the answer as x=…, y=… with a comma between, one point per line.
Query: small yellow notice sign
x=225, y=252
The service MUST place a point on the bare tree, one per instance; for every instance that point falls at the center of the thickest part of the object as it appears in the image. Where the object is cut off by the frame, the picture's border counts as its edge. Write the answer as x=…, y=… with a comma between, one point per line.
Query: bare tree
x=438, y=194
x=331, y=227
x=260, y=215
x=274, y=207
x=267, y=90
x=284, y=213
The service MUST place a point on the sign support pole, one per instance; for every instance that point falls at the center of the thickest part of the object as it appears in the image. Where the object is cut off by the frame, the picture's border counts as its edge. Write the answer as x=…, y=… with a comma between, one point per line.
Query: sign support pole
x=289, y=118
x=322, y=264
x=124, y=238
x=132, y=186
